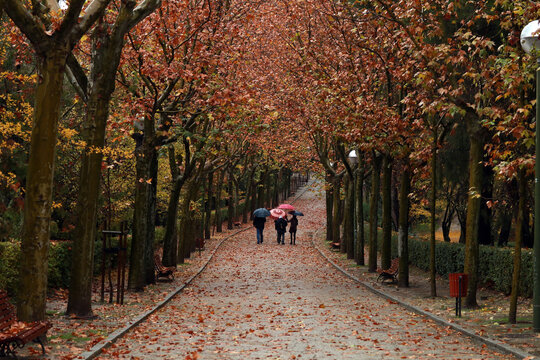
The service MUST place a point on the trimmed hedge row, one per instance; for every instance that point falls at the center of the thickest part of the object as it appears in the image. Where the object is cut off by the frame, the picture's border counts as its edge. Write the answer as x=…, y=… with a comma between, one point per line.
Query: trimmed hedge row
x=495, y=264
x=59, y=265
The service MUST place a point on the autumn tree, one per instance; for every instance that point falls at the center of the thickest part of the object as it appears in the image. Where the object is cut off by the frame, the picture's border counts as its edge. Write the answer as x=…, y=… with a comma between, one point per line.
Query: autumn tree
x=53, y=34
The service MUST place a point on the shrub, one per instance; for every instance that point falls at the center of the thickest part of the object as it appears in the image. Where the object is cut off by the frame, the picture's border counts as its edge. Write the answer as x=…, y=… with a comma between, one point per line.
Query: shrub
x=9, y=271
x=495, y=264
x=59, y=264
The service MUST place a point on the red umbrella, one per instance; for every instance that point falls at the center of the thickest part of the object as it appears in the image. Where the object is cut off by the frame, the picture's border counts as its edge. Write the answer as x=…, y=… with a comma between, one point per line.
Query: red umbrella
x=277, y=213
x=286, y=207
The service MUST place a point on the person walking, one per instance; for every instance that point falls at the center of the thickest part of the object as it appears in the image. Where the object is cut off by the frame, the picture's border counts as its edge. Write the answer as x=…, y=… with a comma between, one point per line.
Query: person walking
x=292, y=229
x=281, y=229
x=258, y=223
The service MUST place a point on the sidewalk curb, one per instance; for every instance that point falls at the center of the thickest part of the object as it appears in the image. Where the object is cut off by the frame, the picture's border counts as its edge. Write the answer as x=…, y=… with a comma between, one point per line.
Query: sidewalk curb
x=491, y=343
x=115, y=335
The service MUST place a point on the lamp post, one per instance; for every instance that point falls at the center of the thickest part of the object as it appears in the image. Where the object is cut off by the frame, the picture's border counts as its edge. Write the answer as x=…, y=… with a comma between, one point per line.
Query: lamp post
x=530, y=42
x=353, y=161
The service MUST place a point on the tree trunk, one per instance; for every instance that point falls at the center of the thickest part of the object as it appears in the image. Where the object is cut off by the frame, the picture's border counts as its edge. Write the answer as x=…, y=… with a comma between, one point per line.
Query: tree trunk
x=261, y=190
x=236, y=215
x=170, y=240
x=104, y=66
x=433, y=201
x=219, y=220
x=336, y=201
x=462, y=219
x=268, y=189
x=528, y=238
x=108, y=42
x=288, y=189
x=474, y=199
x=506, y=226
x=360, y=239
x=522, y=185
x=346, y=219
x=210, y=195
x=188, y=230
x=486, y=214
x=32, y=293
x=403, y=233
x=329, y=192
x=276, y=194
x=386, y=248
x=373, y=212
x=230, y=200
x=349, y=218
x=247, y=200
x=105, y=61
x=395, y=204
x=446, y=222
x=253, y=196
x=141, y=270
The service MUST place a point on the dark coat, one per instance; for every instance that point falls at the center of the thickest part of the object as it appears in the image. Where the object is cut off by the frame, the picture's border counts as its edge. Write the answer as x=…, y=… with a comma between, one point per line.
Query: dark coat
x=294, y=224
x=258, y=222
x=281, y=225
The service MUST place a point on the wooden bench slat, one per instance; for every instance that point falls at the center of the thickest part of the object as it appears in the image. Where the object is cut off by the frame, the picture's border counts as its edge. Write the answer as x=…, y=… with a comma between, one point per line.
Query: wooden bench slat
x=13, y=331
x=30, y=334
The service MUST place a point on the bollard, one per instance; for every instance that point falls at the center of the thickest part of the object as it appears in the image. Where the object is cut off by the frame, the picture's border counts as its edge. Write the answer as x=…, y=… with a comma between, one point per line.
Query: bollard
x=458, y=299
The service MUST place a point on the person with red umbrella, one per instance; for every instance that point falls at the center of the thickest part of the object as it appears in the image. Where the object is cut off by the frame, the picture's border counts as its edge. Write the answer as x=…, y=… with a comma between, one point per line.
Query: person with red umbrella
x=280, y=224
x=287, y=207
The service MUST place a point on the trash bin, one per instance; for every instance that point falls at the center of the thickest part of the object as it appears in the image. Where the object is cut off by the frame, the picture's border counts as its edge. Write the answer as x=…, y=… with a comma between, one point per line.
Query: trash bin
x=454, y=284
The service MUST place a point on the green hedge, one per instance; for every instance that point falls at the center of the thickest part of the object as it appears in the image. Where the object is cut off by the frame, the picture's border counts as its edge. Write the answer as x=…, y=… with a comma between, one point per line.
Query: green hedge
x=59, y=265
x=9, y=264
x=495, y=264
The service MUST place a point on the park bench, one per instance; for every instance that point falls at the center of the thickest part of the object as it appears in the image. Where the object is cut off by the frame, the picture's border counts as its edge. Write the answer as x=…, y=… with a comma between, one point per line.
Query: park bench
x=390, y=273
x=14, y=333
x=163, y=271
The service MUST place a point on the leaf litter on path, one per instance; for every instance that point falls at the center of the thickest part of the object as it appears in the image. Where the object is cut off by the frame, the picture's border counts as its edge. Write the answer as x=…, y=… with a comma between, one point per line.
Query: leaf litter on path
x=281, y=302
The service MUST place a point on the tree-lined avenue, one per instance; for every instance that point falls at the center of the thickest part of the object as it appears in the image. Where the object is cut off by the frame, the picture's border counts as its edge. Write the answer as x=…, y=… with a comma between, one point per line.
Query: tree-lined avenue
x=286, y=302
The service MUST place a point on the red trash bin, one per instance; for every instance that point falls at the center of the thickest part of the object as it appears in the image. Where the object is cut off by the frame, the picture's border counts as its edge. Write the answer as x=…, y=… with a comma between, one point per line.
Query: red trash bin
x=454, y=284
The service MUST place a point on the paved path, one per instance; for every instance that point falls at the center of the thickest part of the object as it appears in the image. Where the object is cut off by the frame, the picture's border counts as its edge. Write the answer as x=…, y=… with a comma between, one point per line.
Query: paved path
x=273, y=301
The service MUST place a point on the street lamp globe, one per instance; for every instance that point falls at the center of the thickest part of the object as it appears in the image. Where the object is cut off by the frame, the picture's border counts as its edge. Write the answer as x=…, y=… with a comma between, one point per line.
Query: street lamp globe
x=353, y=157
x=530, y=42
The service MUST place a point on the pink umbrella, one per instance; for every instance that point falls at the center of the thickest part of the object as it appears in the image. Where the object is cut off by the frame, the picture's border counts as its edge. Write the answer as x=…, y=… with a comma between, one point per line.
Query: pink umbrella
x=286, y=207
x=277, y=213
